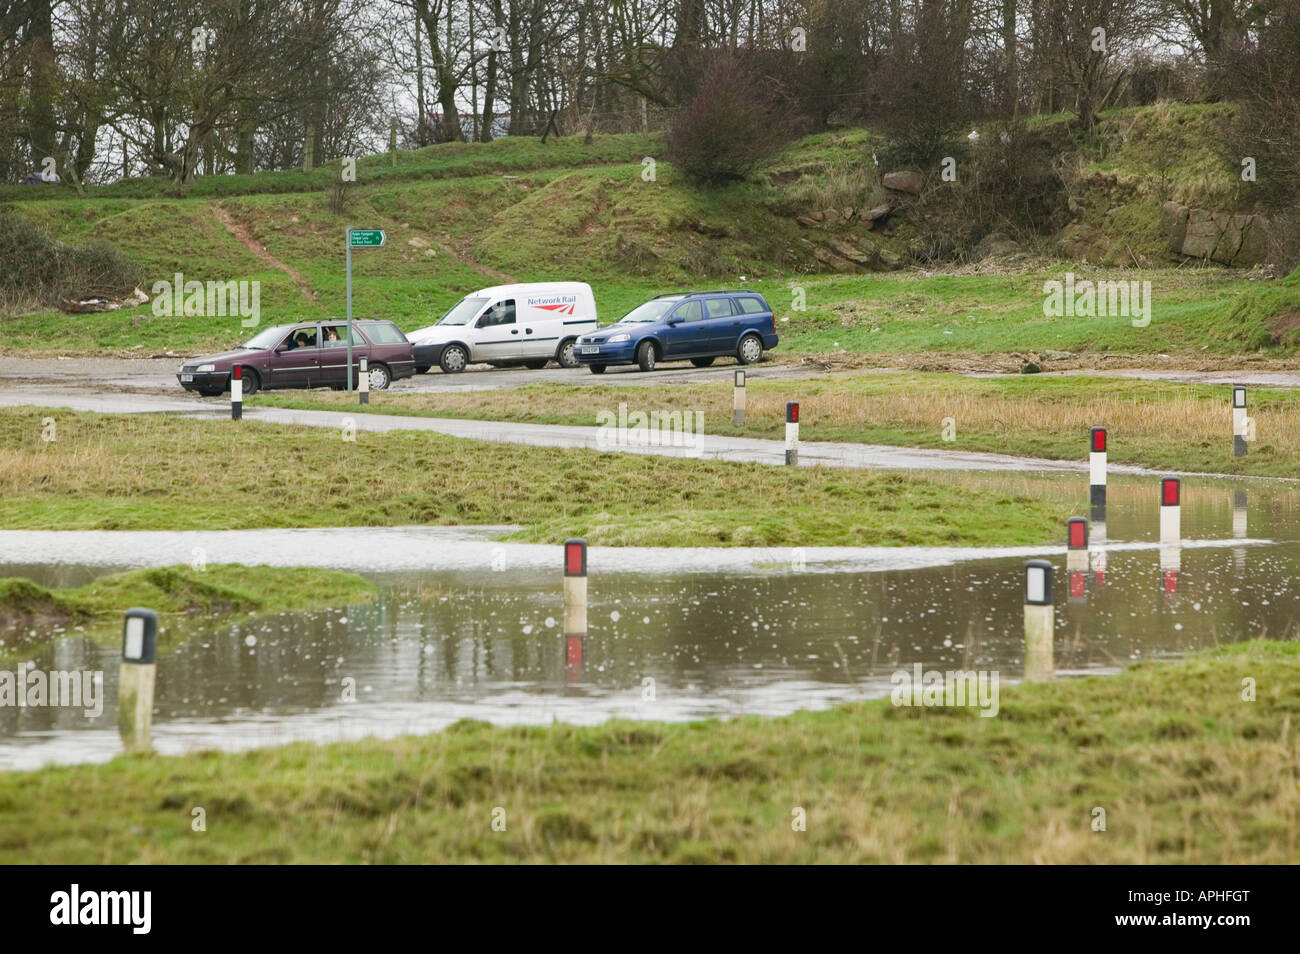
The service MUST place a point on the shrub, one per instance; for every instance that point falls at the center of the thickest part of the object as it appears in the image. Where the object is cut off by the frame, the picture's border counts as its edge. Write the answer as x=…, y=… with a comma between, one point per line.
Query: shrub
x=733, y=122
x=37, y=268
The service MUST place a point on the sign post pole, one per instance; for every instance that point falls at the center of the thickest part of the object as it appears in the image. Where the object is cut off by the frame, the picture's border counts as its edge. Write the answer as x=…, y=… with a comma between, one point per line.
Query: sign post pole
x=347, y=241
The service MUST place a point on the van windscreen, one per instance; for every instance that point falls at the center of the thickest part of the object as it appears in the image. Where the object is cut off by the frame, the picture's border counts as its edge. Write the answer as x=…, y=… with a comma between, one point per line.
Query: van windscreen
x=463, y=312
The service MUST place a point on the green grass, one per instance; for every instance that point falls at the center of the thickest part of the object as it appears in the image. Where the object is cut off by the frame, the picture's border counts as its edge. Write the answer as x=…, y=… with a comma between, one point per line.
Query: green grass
x=215, y=474
x=212, y=592
x=1186, y=772
x=1155, y=424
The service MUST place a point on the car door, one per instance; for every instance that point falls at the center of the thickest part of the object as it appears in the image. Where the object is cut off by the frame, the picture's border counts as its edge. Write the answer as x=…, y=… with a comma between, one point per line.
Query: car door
x=500, y=337
x=722, y=325
x=295, y=365
x=333, y=354
x=686, y=334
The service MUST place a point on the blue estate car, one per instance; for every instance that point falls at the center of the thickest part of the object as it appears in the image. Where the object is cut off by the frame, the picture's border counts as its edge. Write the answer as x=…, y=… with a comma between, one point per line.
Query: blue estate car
x=699, y=326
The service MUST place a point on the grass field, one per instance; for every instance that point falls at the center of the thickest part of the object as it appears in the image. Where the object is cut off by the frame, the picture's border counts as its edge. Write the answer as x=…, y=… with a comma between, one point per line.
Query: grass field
x=1154, y=424
x=1185, y=770
x=215, y=475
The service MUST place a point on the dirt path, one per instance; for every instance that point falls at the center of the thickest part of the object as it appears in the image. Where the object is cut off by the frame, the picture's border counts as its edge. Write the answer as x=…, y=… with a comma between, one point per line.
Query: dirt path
x=258, y=250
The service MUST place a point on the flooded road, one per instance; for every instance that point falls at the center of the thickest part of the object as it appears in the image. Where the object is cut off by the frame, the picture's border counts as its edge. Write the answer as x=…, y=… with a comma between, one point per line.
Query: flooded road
x=668, y=643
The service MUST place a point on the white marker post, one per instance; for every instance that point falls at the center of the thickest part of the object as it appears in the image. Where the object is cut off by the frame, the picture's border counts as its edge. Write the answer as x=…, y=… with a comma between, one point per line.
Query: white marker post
x=1097, y=473
x=237, y=393
x=738, y=399
x=575, y=606
x=135, y=683
x=1040, y=621
x=1238, y=421
x=363, y=383
x=1171, y=533
x=792, y=433
x=1076, y=558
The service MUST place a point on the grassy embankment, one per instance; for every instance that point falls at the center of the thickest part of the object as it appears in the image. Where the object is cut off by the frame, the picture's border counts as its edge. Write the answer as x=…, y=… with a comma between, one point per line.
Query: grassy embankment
x=1154, y=424
x=216, y=590
x=461, y=216
x=215, y=475
x=1186, y=771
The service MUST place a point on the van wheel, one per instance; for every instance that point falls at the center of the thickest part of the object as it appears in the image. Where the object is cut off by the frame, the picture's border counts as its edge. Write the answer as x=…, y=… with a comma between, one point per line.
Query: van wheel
x=645, y=356
x=701, y=362
x=454, y=358
x=750, y=350
x=565, y=356
x=537, y=365
x=597, y=369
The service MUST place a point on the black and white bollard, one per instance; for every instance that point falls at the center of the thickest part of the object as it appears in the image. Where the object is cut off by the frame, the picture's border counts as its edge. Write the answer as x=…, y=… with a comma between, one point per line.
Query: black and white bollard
x=575, y=606
x=792, y=433
x=1076, y=558
x=1040, y=620
x=1238, y=421
x=237, y=392
x=363, y=383
x=738, y=399
x=1097, y=473
x=1171, y=525
x=135, y=683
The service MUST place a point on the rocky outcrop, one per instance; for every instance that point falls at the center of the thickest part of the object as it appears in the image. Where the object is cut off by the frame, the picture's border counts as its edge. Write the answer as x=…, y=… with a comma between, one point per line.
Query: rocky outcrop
x=906, y=181
x=1229, y=238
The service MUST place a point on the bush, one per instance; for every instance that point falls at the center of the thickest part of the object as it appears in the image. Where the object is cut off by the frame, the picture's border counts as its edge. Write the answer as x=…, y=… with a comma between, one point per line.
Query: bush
x=734, y=121
x=37, y=268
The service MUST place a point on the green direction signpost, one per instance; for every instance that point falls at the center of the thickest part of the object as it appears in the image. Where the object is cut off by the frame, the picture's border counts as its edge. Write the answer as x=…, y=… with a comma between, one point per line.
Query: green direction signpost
x=357, y=238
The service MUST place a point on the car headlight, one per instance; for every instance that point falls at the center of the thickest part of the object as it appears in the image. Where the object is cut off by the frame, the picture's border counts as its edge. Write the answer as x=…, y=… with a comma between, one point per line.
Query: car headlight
x=204, y=367
x=620, y=338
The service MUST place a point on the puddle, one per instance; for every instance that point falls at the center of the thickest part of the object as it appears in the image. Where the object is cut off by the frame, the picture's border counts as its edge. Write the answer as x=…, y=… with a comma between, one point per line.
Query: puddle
x=666, y=644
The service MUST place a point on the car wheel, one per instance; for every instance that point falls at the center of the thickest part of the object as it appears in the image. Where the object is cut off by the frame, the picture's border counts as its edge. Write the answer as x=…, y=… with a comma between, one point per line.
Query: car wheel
x=645, y=356
x=210, y=392
x=454, y=358
x=379, y=377
x=251, y=383
x=750, y=350
x=537, y=365
x=565, y=356
x=421, y=369
x=701, y=362
x=597, y=369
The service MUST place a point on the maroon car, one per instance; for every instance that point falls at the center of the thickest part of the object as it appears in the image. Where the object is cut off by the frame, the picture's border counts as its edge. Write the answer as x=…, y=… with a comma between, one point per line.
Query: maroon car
x=309, y=354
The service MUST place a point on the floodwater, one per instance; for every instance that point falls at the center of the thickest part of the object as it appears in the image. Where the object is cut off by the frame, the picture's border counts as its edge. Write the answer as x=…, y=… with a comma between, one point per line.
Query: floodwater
x=767, y=637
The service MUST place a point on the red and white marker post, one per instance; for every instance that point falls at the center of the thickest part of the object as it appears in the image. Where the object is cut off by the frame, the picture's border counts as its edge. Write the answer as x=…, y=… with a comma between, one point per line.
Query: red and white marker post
x=575, y=606
x=237, y=393
x=1076, y=558
x=1097, y=473
x=792, y=433
x=738, y=399
x=1171, y=536
x=1040, y=621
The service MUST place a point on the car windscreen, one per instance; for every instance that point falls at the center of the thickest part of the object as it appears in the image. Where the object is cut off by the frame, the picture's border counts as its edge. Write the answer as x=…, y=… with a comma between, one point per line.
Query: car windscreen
x=463, y=312
x=650, y=311
x=268, y=338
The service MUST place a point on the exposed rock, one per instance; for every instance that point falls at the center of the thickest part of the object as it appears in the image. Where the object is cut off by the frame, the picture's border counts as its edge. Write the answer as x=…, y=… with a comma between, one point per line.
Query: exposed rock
x=878, y=213
x=98, y=303
x=850, y=251
x=1028, y=367
x=1228, y=238
x=1173, y=221
x=905, y=181
x=997, y=245
x=1055, y=356
x=831, y=216
x=827, y=257
x=809, y=220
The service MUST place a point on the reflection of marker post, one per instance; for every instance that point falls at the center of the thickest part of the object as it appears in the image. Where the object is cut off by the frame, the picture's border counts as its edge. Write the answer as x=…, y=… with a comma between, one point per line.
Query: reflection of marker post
x=1170, y=511
x=1171, y=562
x=1040, y=620
x=738, y=399
x=135, y=684
x=1097, y=544
x=1097, y=473
x=363, y=383
x=1239, y=526
x=792, y=433
x=237, y=392
x=1238, y=421
x=575, y=603
x=1076, y=558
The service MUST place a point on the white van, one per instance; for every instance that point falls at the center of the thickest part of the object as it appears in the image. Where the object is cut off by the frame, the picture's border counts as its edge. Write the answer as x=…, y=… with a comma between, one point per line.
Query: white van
x=509, y=324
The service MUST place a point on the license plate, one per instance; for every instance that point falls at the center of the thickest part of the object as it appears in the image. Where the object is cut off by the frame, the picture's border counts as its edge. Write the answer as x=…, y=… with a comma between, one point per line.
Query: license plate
x=591, y=351
x=187, y=377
